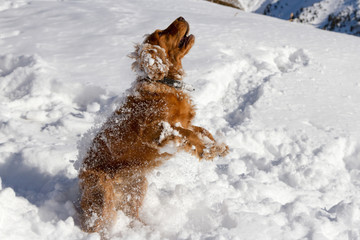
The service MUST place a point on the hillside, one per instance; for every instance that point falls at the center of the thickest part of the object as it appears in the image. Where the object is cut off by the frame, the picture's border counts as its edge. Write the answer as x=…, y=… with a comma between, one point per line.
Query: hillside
x=283, y=96
x=333, y=15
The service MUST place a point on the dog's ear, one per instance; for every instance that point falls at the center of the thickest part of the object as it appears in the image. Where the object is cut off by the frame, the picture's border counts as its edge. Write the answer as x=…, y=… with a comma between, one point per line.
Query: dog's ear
x=150, y=61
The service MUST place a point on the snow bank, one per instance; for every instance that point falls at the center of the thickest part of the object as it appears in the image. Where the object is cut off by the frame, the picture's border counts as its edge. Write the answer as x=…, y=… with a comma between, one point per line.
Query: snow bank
x=284, y=97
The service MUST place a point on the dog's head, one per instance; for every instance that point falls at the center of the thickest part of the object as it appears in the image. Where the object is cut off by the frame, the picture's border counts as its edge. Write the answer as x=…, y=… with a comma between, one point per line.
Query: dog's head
x=160, y=54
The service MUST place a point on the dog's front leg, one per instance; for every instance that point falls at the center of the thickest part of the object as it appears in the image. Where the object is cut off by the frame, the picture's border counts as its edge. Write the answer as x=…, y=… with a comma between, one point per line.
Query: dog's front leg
x=195, y=140
x=213, y=148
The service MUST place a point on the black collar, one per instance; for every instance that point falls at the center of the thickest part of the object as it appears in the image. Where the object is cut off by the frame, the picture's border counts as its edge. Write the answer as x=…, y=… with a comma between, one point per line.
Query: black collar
x=173, y=83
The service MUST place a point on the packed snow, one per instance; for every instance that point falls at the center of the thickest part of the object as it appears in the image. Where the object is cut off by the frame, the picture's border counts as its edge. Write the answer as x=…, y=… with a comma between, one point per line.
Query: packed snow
x=284, y=97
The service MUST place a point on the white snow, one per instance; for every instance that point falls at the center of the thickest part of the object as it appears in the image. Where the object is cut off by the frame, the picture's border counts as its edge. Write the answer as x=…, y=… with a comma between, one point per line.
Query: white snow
x=334, y=15
x=167, y=131
x=253, y=5
x=284, y=97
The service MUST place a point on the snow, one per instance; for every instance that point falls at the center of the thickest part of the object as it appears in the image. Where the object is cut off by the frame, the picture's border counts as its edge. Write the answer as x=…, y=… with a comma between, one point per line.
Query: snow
x=283, y=96
x=167, y=131
x=253, y=5
x=334, y=15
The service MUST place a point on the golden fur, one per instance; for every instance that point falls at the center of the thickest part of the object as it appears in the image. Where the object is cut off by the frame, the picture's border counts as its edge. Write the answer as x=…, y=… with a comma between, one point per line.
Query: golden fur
x=113, y=173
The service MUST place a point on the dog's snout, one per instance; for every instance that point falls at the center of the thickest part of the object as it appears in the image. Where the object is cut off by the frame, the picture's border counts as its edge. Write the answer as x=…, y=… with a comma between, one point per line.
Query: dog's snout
x=181, y=19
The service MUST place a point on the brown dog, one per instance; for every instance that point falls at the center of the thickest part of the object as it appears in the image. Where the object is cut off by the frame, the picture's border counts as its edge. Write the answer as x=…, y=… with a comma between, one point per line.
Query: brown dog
x=132, y=142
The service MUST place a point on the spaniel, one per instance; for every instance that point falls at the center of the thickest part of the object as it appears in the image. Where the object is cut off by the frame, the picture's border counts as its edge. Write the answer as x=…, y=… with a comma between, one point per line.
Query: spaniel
x=136, y=137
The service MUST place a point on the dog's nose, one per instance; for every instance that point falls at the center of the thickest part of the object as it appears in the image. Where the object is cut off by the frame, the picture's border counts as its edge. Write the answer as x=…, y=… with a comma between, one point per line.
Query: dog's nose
x=181, y=19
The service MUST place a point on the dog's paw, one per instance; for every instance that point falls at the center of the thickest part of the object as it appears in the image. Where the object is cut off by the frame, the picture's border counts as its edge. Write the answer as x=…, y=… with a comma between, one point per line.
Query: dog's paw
x=223, y=150
x=214, y=150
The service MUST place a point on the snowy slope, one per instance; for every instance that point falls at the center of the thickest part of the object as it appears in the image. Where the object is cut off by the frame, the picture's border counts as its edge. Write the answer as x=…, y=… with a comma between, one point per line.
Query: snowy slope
x=283, y=96
x=249, y=5
x=334, y=15
x=340, y=16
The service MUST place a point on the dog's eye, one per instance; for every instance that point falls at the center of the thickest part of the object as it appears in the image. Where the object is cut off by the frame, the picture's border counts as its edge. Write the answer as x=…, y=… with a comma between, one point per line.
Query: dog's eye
x=160, y=33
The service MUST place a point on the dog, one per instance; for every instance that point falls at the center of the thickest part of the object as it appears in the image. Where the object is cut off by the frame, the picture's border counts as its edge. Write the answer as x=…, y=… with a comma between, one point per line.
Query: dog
x=135, y=139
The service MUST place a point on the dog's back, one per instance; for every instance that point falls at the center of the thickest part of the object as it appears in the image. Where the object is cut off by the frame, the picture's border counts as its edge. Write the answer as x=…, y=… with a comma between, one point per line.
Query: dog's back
x=130, y=138
x=126, y=149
